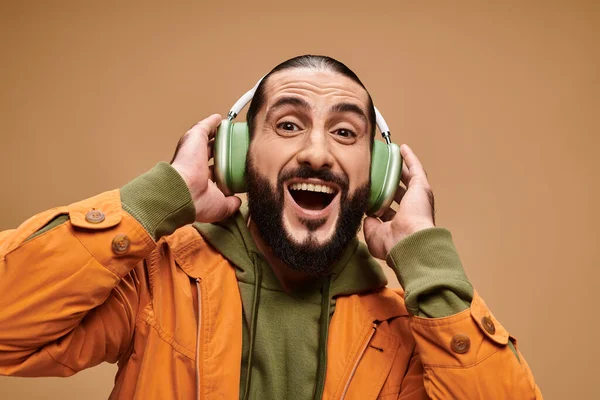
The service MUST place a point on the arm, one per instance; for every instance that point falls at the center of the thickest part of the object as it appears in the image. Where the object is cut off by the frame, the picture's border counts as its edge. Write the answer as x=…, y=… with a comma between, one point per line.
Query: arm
x=70, y=288
x=444, y=305
x=71, y=282
x=463, y=350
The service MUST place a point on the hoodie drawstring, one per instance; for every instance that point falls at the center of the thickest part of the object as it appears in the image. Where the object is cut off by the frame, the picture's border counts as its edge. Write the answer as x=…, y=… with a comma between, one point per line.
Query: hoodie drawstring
x=323, y=334
x=255, y=302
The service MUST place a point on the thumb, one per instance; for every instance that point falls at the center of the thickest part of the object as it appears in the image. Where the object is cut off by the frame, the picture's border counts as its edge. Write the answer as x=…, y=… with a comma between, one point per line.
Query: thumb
x=230, y=206
x=369, y=226
x=192, y=145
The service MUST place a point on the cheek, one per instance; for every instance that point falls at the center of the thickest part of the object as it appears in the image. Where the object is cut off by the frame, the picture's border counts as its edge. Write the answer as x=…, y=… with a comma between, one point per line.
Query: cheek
x=357, y=166
x=269, y=157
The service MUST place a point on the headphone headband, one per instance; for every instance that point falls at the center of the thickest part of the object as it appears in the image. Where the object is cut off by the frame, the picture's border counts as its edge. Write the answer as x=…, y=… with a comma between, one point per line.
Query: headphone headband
x=247, y=97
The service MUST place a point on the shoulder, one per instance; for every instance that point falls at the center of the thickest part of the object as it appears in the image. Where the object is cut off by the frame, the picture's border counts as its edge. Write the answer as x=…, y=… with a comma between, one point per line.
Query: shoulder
x=384, y=303
x=189, y=250
x=377, y=305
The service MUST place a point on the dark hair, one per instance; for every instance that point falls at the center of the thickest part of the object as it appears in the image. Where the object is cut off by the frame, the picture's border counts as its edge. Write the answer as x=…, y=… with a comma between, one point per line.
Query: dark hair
x=320, y=63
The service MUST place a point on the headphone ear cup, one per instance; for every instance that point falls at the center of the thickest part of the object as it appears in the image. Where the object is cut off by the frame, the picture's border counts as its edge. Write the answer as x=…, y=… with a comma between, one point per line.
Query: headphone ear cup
x=386, y=168
x=230, y=151
x=232, y=142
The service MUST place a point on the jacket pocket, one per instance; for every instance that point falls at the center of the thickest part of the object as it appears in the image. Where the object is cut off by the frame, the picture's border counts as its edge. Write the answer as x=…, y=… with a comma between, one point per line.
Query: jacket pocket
x=380, y=358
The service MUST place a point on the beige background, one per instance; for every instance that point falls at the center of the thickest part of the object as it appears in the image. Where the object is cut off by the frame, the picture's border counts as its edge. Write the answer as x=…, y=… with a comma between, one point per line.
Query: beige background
x=501, y=103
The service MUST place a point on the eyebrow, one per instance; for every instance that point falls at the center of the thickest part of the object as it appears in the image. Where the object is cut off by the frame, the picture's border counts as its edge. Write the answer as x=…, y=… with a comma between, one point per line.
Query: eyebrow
x=351, y=108
x=287, y=101
x=336, y=108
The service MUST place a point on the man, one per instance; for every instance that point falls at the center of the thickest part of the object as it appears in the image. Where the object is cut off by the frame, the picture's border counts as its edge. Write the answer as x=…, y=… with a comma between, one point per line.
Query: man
x=274, y=300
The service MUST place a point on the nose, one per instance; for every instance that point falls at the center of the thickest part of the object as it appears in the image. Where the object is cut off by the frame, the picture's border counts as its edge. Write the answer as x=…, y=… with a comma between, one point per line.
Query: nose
x=315, y=152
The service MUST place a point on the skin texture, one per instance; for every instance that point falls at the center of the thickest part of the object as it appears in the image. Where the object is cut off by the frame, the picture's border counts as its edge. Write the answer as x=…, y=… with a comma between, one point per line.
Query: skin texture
x=309, y=131
x=266, y=210
x=192, y=154
x=289, y=136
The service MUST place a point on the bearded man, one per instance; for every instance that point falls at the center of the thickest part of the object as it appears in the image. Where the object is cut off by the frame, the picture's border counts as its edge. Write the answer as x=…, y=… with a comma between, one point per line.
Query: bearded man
x=194, y=295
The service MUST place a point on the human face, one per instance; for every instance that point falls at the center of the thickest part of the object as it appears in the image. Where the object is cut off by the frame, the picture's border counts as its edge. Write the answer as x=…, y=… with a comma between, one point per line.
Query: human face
x=312, y=120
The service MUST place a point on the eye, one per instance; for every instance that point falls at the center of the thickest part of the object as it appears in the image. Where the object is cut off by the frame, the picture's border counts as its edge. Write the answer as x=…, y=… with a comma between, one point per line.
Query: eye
x=345, y=133
x=288, y=126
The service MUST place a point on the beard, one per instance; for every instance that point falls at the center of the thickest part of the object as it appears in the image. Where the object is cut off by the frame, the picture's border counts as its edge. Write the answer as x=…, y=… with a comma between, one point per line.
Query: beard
x=266, y=204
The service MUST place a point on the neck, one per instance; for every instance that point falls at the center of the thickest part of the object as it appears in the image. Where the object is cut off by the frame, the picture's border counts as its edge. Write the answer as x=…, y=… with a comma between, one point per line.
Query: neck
x=289, y=278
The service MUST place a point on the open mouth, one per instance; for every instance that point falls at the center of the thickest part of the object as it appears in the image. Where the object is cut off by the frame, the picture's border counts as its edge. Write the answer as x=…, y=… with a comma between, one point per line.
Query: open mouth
x=312, y=196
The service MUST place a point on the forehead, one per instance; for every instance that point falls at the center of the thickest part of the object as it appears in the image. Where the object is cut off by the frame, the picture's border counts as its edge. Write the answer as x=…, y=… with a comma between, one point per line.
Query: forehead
x=315, y=86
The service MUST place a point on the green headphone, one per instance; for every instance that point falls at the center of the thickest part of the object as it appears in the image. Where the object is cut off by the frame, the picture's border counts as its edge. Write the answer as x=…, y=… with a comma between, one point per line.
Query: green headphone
x=232, y=142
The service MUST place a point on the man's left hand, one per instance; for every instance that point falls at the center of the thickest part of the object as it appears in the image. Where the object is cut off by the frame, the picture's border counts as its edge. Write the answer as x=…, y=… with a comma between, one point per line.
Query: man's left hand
x=415, y=211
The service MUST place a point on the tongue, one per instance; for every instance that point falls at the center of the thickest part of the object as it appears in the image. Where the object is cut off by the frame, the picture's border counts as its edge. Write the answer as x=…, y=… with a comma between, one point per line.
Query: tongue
x=309, y=200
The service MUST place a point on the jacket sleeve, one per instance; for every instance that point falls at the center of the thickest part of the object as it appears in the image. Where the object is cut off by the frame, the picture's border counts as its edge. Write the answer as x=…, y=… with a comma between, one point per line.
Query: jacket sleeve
x=70, y=283
x=412, y=385
x=463, y=350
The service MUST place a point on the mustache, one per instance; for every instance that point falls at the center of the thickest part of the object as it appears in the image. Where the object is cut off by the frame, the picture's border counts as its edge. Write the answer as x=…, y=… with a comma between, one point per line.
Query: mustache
x=306, y=172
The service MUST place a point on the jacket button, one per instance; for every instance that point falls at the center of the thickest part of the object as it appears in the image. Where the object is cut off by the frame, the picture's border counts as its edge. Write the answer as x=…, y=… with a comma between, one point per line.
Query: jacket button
x=460, y=343
x=120, y=244
x=488, y=325
x=94, y=216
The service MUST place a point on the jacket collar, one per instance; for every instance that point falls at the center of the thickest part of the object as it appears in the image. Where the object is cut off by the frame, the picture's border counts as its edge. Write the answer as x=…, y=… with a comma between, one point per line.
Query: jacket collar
x=187, y=246
x=193, y=255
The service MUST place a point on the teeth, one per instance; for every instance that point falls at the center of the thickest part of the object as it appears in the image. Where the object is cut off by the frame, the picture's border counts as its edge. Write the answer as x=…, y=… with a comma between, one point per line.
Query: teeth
x=312, y=187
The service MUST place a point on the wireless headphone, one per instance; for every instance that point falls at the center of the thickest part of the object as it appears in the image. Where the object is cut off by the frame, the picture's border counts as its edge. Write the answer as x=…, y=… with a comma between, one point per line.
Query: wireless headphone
x=232, y=142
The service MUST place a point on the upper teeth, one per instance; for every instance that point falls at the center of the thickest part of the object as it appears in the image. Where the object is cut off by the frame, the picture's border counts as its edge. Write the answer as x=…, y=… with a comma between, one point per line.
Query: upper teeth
x=311, y=187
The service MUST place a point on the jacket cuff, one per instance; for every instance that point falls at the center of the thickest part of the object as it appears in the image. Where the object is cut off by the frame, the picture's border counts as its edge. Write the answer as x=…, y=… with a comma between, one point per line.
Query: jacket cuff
x=470, y=344
x=429, y=269
x=160, y=200
x=481, y=334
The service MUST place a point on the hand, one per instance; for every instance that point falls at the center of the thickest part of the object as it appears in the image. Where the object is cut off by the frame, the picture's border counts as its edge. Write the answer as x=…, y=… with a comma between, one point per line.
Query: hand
x=192, y=154
x=415, y=211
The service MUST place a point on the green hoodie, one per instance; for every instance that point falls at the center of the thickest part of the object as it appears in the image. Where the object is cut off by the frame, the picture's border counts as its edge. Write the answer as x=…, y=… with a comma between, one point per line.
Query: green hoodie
x=284, y=336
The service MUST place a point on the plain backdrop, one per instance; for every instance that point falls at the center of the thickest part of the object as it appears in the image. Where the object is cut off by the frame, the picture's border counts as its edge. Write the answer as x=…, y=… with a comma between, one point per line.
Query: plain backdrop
x=500, y=101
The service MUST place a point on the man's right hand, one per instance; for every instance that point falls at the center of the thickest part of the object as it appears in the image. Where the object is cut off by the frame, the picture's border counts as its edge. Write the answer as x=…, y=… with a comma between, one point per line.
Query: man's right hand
x=192, y=154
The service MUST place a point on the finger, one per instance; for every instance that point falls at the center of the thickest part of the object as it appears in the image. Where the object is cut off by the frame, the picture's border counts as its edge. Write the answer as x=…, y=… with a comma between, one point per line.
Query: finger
x=412, y=161
x=195, y=138
x=405, y=176
x=399, y=194
x=431, y=199
x=388, y=215
x=230, y=205
x=211, y=146
x=178, y=147
x=207, y=126
x=369, y=226
x=211, y=172
x=213, y=132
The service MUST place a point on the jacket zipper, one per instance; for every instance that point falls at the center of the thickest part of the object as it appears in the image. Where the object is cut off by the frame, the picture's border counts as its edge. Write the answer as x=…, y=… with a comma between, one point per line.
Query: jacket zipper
x=360, y=356
x=198, y=338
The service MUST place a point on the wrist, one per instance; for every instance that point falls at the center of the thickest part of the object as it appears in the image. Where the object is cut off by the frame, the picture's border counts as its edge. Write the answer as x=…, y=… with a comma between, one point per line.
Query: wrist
x=159, y=200
x=428, y=266
x=187, y=178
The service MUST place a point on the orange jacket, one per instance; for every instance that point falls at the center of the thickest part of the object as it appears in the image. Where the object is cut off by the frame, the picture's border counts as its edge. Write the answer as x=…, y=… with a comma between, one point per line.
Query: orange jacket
x=170, y=314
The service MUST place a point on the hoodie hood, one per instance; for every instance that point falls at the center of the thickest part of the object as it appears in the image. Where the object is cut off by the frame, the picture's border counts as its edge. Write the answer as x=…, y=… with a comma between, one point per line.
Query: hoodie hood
x=355, y=272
